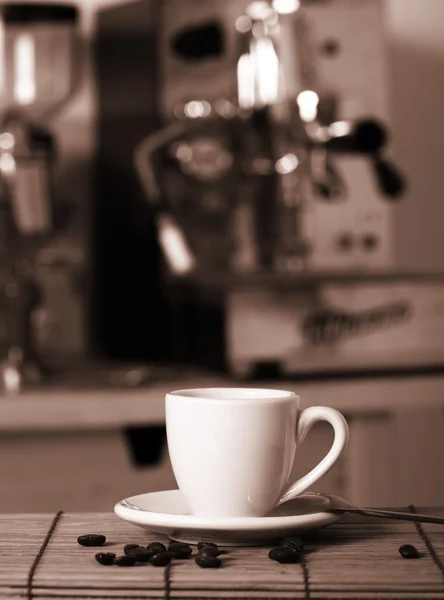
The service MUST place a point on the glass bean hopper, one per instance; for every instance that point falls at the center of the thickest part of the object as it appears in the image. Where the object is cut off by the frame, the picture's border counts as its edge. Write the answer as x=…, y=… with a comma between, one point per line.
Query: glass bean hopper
x=38, y=45
x=38, y=51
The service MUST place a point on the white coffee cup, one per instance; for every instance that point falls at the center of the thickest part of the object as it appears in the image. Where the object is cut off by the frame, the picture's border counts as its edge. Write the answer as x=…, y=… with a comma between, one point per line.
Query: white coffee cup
x=232, y=449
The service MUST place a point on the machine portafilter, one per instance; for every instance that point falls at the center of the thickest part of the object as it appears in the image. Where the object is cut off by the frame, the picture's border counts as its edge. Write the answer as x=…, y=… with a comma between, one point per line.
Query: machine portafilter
x=365, y=137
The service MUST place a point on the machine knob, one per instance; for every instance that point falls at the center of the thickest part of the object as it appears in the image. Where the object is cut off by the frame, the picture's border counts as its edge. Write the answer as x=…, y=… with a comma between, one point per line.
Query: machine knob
x=370, y=242
x=345, y=242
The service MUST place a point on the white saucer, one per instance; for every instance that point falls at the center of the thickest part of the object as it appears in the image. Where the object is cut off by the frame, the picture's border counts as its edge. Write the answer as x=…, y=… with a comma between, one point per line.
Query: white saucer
x=167, y=513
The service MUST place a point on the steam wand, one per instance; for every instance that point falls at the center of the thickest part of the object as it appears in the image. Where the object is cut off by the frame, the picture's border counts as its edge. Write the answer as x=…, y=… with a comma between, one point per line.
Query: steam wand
x=172, y=239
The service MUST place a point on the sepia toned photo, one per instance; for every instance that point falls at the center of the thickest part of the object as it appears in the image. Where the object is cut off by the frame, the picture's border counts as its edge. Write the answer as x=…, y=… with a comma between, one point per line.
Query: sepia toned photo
x=221, y=299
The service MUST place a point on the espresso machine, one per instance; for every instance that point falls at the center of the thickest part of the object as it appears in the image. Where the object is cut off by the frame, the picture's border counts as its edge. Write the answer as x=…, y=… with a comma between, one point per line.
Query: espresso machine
x=273, y=189
x=41, y=239
x=267, y=102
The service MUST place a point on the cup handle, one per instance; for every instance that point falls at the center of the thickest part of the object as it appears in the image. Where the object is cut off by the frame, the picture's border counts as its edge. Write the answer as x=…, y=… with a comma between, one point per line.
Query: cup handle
x=307, y=419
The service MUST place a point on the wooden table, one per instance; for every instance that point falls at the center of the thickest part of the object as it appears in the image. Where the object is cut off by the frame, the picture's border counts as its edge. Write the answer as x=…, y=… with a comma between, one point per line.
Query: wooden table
x=357, y=557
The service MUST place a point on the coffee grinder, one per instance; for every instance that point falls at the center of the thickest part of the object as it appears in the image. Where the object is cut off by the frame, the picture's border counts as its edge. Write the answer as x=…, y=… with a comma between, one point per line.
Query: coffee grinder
x=38, y=75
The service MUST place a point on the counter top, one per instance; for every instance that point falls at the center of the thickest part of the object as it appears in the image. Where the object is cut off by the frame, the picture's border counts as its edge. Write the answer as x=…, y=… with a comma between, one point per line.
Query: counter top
x=357, y=557
x=94, y=408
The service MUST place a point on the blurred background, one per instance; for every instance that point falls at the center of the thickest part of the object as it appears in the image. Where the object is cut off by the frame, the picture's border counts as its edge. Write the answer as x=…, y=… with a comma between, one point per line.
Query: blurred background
x=196, y=192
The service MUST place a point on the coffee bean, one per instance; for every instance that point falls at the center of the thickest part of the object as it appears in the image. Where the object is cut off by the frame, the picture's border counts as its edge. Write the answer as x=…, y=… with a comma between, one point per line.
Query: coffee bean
x=294, y=542
x=284, y=554
x=409, y=551
x=105, y=558
x=142, y=555
x=209, y=551
x=129, y=547
x=201, y=545
x=207, y=562
x=156, y=547
x=161, y=559
x=179, y=549
x=91, y=539
x=125, y=561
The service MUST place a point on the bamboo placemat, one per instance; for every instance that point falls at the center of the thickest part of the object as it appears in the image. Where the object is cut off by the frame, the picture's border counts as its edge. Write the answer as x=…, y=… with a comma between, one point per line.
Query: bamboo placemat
x=356, y=558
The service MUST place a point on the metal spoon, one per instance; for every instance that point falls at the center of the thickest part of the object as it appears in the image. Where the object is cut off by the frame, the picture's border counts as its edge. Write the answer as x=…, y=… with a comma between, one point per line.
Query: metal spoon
x=340, y=505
